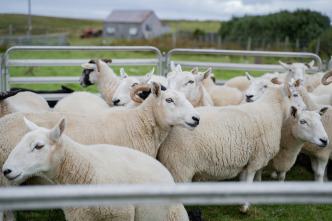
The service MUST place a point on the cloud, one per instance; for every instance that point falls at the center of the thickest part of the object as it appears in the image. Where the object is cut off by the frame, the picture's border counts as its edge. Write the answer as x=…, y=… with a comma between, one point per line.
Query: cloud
x=170, y=9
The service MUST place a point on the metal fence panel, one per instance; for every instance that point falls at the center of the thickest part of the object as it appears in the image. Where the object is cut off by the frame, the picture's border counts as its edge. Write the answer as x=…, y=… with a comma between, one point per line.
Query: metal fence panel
x=2, y=80
x=72, y=62
x=211, y=193
x=237, y=66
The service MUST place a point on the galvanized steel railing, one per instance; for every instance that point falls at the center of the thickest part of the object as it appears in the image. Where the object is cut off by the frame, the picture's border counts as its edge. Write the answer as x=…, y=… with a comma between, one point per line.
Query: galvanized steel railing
x=2, y=80
x=216, y=193
x=71, y=62
x=238, y=66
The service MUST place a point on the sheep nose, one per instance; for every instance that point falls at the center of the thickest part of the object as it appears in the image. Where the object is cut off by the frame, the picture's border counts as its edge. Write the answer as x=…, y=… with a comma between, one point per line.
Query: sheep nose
x=324, y=142
x=6, y=172
x=248, y=97
x=116, y=101
x=196, y=120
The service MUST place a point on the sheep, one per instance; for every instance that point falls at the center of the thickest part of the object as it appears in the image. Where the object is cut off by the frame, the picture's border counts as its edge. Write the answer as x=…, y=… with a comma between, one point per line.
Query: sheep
x=99, y=73
x=51, y=103
x=222, y=95
x=298, y=128
x=15, y=101
x=239, y=82
x=81, y=102
x=65, y=161
x=229, y=139
x=299, y=70
x=121, y=96
x=143, y=128
x=190, y=84
x=319, y=158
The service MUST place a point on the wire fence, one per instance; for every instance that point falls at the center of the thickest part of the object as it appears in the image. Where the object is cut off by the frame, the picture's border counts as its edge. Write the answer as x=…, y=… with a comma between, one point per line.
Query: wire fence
x=46, y=39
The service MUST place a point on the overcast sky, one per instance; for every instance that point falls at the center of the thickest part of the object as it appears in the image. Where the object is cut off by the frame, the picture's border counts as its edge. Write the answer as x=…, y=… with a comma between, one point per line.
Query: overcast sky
x=221, y=10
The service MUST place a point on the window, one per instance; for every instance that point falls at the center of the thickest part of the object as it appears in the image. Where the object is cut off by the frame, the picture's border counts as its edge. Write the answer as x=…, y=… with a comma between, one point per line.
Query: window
x=133, y=31
x=110, y=30
x=148, y=27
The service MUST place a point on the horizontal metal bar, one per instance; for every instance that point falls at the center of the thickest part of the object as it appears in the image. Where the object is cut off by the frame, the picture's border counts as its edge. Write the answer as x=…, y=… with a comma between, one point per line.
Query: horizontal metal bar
x=244, y=53
x=38, y=80
x=221, y=193
x=235, y=66
x=77, y=62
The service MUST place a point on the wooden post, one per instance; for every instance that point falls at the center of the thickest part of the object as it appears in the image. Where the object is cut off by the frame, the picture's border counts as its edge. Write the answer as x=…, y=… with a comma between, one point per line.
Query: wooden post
x=174, y=40
x=249, y=44
x=219, y=42
x=286, y=43
x=317, y=46
x=297, y=45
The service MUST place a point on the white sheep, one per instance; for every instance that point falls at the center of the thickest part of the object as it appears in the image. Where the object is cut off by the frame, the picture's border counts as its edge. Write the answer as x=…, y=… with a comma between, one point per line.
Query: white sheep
x=65, y=161
x=318, y=157
x=121, y=96
x=239, y=82
x=300, y=127
x=99, y=73
x=222, y=95
x=229, y=140
x=81, y=102
x=11, y=102
x=190, y=84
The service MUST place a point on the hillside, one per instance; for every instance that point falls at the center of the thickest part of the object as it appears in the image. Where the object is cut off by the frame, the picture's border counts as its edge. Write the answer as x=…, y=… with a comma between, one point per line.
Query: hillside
x=42, y=24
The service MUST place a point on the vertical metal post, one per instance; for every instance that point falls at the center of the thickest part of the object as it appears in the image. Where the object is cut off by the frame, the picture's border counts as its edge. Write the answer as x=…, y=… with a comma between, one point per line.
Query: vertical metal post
x=29, y=19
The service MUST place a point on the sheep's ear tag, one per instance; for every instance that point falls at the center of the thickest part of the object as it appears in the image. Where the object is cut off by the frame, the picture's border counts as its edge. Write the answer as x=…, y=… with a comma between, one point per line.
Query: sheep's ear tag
x=269, y=83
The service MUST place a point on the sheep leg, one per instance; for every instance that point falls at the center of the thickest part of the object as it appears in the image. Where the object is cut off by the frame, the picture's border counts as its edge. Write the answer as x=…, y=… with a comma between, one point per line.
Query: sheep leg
x=325, y=174
x=242, y=176
x=274, y=175
x=258, y=176
x=282, y=176
x=319, y=173
x=249, y=179
x=2, y=216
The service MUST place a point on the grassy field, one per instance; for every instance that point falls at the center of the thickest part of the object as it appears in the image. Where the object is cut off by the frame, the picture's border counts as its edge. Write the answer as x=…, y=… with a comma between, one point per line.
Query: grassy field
x=74, y=27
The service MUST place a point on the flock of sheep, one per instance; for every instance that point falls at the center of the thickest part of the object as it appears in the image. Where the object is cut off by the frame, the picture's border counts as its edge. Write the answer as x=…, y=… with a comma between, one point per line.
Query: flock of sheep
x=154, y=129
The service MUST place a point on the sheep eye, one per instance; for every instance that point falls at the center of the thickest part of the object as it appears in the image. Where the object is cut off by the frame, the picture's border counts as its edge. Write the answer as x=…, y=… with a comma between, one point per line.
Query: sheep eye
x=134, y=84
x=190, y=82
x=265, y=86
x=303, y=121
x=39, y=146
x=295, y=95
x=169, y=100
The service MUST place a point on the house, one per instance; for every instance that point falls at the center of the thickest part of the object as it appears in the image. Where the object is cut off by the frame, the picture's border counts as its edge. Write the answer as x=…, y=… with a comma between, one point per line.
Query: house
x=133, y=24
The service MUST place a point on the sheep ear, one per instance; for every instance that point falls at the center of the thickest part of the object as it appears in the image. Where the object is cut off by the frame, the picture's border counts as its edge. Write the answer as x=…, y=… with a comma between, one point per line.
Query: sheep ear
x=194, y=70
x=30, y=125
x=123, y=74
x=89, y=66
x=284, y=65
x=276, y=81
x=311, y=64
x=148, y=76
x=208, y=73
x=249, y=76
x=322, y=111
x=58, y=130
x=293, y=111
x=178, y=68
x=173, y=68
x=155, y=89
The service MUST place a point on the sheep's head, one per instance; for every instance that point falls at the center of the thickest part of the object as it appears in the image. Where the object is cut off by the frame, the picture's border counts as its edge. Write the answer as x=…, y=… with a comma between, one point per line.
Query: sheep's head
x=121, y=96
x=177, y=110
x=32, y=154
x=297, y=70
x=308, y=127
x=257, y=87
x=189, y=83
x=91, y=70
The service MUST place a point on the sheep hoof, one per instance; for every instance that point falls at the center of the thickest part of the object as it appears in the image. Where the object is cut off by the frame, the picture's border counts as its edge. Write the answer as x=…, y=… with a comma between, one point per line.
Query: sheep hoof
x=274, y=175
x=244, y=209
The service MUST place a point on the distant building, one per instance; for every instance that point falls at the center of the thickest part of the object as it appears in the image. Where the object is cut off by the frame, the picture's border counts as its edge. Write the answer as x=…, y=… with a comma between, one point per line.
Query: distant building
x=133, y=24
